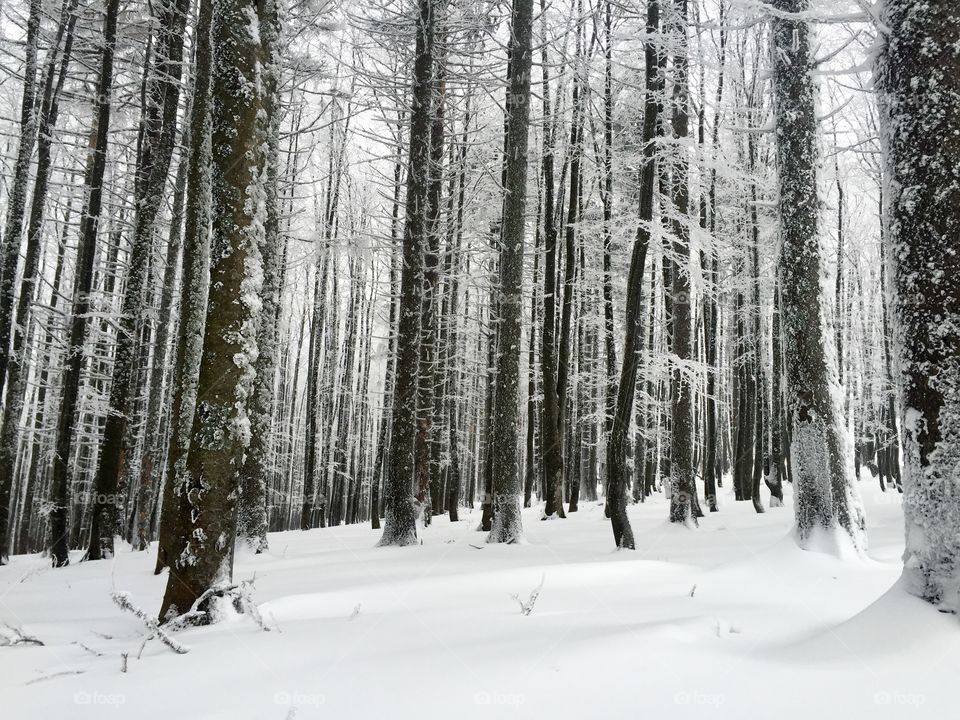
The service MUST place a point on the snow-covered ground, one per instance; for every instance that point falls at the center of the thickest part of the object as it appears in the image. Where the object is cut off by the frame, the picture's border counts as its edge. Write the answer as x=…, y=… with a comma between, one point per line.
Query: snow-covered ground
x=728, y=621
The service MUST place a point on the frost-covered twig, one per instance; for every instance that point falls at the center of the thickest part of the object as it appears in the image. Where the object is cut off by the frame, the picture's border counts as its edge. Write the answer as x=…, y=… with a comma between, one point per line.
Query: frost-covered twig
x=527, y=607
x=241, y=595
x=122, y=600
x=88, y=649
x=15, y=636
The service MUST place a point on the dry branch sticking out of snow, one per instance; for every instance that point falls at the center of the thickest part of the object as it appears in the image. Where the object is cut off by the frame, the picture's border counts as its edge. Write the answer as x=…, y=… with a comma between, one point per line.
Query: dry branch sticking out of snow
x=527, y=607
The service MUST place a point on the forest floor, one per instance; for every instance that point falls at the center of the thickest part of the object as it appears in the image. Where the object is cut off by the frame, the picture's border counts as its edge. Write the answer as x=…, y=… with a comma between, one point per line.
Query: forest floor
x=726, y=621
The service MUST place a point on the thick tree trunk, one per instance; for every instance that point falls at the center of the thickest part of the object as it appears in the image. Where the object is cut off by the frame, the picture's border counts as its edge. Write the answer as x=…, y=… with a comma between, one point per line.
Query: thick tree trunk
x=257, y=469
x=221, y=429
x=825, y=499
x=919, y=79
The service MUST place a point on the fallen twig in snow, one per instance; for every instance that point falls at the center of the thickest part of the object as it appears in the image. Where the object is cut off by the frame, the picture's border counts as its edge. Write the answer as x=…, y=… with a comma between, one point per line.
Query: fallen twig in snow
x=90, y=650
x=122, y=600
x=53, y=675
x=527, y=607
x=10, y=635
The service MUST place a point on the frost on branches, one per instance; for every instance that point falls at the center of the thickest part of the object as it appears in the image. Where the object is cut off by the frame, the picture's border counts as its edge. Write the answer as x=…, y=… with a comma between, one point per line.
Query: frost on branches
x=918, y=73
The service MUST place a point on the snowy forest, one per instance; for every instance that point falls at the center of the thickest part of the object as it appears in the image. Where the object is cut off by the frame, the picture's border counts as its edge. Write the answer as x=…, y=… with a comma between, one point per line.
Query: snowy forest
x=415, y=357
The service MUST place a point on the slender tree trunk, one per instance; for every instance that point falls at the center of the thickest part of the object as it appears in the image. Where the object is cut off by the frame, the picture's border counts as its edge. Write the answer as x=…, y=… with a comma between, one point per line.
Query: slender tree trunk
x=633, y=340
x=400, y=525
x=159, y=133
x=16, y=203
x=507, y=487
x=83, y=284
x=551, y=443
x=17, y=360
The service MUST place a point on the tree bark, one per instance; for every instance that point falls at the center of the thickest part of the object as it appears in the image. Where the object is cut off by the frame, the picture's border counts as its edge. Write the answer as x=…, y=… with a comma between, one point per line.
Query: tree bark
x=507, y=486
x=919, y=81
x=825, y=499
x=221, y=429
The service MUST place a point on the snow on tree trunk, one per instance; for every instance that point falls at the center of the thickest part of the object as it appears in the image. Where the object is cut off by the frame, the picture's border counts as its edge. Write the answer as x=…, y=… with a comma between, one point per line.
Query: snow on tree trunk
x=83, y=284
x=252, y=516
x=17, y=199
x=918, y=75
x=683, y=501
x=825, y=499
x=221, y=426
x=400, y=522
x=507, y=486
x=175, y=510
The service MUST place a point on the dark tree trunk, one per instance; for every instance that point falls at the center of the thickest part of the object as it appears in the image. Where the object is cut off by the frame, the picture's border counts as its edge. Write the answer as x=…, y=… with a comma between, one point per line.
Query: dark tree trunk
x=633, y=340
x=400, y=526
x=552, y=438
x=506, y=416
x=683, y=496
x=824, y=497
x=221, y=431
x=919, y=79
x=175, y=509
x=153, y=165
x=83, y=283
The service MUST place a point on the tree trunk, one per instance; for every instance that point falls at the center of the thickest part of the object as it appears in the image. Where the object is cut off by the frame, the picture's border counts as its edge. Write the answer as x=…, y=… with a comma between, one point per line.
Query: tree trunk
x=506, y=416
x=825, y=499
x=919, y=79
x=175, y=510
x=221, y=428
x=683, y=501
x=633, y=340
x=400, y=524
x=83, y=284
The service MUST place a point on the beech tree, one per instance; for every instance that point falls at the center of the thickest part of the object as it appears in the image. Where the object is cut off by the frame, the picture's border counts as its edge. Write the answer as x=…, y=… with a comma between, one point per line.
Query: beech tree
x=506, y=415
x=919, y=78
x=825, y=498
x=221, y=425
